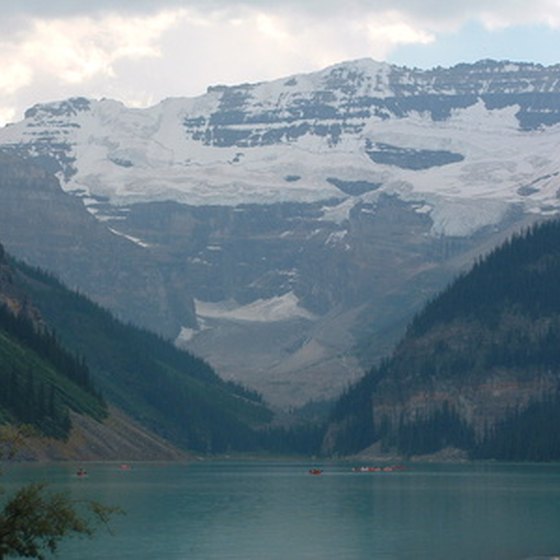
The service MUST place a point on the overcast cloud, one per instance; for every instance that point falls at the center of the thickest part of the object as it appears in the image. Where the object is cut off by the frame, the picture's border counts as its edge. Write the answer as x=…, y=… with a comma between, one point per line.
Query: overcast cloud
x=141, y=51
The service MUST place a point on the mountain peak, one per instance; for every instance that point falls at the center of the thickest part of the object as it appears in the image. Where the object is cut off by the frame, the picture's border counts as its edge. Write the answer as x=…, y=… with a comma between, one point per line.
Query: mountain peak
x=67, y=107
x=361, y=122
x=366, y=65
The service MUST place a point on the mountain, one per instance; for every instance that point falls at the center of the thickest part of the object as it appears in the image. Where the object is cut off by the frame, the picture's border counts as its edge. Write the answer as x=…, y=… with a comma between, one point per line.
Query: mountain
x=58, y=350
x=281, y=217
x=46, y=227
x=478, y=368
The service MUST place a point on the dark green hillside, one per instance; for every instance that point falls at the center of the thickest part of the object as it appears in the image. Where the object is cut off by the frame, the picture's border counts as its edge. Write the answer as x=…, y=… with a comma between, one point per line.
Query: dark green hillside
x=478, y=369
x=170, y=391
x=41, y=380
x=522, y=275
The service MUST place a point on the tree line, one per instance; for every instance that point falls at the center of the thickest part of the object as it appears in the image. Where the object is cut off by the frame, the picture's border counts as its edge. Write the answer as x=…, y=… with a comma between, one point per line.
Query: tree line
x=503, y=315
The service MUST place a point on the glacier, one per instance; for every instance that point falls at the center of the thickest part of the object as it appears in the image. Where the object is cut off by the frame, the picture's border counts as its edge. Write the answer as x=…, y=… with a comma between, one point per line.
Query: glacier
x=210, y=150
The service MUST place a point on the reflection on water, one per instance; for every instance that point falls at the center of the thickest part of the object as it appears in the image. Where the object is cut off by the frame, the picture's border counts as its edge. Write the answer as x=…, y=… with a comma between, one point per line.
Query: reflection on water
x=260, y=511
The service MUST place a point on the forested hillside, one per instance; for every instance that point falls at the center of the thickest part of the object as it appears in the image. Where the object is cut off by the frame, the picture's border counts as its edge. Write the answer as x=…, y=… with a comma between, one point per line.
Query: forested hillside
x=41, y=380
x=169, y=391
x=478, y=369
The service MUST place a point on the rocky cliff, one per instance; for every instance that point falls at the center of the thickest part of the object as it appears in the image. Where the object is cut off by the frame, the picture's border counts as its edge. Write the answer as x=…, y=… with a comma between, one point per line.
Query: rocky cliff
x=46, y=227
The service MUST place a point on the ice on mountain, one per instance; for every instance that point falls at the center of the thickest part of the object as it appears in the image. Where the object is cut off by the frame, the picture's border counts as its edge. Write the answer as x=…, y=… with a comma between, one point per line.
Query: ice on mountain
x=280, y=308
x=479, y=151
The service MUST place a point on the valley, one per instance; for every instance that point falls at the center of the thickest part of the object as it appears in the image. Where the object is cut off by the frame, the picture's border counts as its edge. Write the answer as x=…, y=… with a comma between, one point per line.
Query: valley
x=303, y=220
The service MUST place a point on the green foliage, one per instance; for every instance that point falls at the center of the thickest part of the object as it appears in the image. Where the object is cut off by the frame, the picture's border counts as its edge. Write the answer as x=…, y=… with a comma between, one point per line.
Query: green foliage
x=301, y=439
x=33, y=521
x=442, y=428
x=523, y=273
x=353, y=415
x=44, y=343
x=530, y=434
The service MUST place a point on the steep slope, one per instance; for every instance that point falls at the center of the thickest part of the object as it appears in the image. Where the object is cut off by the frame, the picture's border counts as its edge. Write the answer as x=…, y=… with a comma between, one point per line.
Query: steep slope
x=43, y=225
x=479, y=367
x=157, y=389
x=42, y=382
x=50, y=389
x=356, y=129
x=167, y=390
x=282, y=216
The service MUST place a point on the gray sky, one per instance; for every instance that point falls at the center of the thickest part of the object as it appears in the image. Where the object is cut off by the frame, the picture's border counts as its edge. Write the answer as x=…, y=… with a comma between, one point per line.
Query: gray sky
x=141, y=51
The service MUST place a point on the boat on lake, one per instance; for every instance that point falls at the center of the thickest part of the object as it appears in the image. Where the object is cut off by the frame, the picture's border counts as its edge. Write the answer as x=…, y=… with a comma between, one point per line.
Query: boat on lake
x=385, y=468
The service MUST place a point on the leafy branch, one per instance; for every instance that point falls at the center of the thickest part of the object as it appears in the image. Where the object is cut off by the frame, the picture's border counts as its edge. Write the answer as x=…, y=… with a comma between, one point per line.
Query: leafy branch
x=34, y=521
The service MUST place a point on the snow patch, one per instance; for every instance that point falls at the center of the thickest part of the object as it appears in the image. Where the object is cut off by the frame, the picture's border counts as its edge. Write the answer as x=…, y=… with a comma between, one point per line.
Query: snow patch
x=461, y=218
x=336, y=238
x=130, y=238
x=128, y=156
x=339, y=213
x=424, y=209
x=279, y=308
x=186, y=334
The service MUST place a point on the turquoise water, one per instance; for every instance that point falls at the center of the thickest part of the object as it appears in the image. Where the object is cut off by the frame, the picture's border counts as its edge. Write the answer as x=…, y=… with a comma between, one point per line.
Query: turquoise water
x=277, y=511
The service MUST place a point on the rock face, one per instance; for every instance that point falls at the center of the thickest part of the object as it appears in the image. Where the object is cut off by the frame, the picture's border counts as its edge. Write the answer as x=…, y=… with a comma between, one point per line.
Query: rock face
x=44, y=226
x=274, y=227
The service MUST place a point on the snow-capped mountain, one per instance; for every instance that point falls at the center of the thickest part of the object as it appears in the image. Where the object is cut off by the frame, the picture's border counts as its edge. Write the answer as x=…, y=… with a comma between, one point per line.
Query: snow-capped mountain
x=356, y=129
x=328, y=201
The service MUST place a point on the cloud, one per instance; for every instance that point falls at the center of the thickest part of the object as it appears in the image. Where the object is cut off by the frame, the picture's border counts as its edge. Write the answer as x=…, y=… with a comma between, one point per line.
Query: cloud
x=506, y=12
x=14, y=76
x=71, y=54
x=188, y=48
x=76, y=49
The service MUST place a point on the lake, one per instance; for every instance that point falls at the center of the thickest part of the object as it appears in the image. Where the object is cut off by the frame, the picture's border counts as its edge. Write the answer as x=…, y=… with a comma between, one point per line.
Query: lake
x=277, y=511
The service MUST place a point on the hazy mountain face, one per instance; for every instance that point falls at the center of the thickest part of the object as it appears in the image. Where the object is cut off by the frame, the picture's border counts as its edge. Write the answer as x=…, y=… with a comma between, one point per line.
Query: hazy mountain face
x=274, y=227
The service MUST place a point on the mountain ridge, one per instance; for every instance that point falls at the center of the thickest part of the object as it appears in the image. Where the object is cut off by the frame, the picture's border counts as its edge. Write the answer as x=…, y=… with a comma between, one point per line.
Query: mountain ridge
x=477, y=368
x=179, y=135
x=353, y=192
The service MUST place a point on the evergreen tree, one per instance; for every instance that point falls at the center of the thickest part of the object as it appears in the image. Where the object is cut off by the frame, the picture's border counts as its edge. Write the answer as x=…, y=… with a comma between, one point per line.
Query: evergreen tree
x=502, y=318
